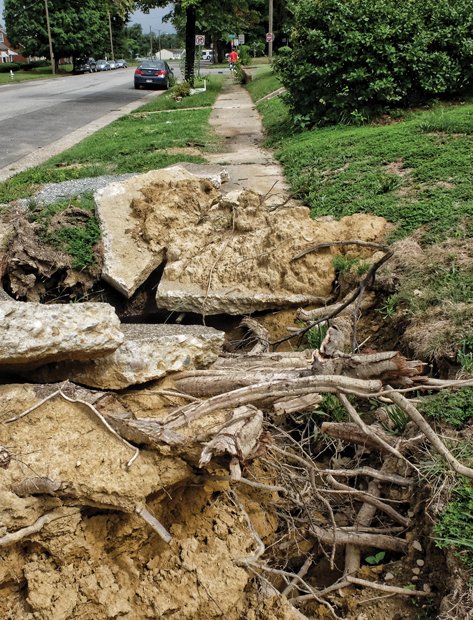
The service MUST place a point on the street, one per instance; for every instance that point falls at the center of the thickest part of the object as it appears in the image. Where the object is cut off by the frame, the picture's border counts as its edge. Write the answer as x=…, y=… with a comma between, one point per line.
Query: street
x=41, y=118
x=34, y=114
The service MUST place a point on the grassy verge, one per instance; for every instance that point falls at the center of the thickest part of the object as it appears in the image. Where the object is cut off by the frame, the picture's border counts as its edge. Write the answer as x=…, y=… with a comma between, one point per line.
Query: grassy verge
x=137, y=142
x=414, y=172
x=40, y=73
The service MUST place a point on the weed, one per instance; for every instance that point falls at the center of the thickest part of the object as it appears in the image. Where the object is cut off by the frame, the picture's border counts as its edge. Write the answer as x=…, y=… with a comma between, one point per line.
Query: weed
x=454, y=408
x=315, y=335
x=389, y=307
x=465, y=354
x=332, y=407
x=399, y=419
x=455, y=526
x=376, y=559
x=343, y=263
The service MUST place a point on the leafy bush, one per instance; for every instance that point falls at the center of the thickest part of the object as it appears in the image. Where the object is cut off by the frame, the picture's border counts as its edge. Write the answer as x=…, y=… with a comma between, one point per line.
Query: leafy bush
x=9, y=66
x=35, y=64
x=352, y=59
x=244, y=53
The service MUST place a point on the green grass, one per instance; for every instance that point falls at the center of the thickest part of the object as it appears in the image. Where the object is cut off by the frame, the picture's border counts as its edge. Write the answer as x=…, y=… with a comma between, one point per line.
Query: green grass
x=416, y=172
x=264, y=82
x=134, y=143
x=455, y=526
x=453, y=408
x=75, y=232
x=39, y=73
x=206, y=99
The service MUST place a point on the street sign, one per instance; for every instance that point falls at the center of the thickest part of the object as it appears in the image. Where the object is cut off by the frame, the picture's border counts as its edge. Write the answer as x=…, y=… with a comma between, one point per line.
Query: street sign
x=269, y=37
x=232, y=37
x=241, y=39
x=200, y=39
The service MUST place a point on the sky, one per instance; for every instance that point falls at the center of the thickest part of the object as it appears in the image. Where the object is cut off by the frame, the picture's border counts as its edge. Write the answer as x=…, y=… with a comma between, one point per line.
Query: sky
x=152, y=20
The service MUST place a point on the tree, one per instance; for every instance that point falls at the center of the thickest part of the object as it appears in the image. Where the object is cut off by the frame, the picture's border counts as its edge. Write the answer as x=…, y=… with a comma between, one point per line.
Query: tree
x=78, y=27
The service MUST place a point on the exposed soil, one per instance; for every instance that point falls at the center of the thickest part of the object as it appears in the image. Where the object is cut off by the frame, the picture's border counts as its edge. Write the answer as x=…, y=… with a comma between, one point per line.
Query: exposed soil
x=97, y=559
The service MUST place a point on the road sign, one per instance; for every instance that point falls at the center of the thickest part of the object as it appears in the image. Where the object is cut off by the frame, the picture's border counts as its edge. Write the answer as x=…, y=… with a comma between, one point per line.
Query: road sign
x=269, y=37
x=200, y=39
x=241, y=39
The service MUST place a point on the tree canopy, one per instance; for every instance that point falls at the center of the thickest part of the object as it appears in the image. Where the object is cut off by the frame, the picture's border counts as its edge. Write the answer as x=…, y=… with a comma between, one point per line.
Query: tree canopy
x=78, y=27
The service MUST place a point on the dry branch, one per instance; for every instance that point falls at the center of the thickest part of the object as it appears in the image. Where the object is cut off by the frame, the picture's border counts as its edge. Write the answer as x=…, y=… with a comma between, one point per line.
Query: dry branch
x=428, y=431
x=351, y=433
x=384, y=588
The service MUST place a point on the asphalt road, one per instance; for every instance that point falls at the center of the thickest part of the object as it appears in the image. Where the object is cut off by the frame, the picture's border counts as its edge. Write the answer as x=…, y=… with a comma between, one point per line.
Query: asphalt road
x=37, y=113
x=41, y=118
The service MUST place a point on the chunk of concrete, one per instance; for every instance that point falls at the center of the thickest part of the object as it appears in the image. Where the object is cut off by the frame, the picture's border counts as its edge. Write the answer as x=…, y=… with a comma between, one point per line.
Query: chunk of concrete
x=240, y=258
x=34, y=334
x=147, y=353
x=130, y=254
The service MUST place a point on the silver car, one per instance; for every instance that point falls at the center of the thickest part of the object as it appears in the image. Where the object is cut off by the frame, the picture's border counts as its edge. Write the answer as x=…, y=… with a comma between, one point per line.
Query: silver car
x=102, y=65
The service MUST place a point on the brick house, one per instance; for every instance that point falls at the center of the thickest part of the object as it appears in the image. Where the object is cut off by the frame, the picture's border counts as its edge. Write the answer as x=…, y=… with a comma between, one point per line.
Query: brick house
x=7, y=54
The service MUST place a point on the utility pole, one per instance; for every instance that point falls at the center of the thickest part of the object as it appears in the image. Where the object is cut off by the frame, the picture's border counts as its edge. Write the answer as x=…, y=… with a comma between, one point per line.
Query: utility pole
x=270, y=29
x=150, y=42
x=51, y=53
x=111, y=36
x=159, y=43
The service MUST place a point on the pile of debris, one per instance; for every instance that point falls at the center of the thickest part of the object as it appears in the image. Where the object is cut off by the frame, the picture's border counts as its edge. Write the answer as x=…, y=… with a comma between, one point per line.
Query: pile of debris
x=148, y=472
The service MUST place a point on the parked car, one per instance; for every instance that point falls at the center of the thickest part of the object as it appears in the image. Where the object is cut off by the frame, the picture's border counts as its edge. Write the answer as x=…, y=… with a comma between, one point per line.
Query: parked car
x=154, y=73
x=121, y=64
x=84, y=65
x=102, y=65
x=113, y=64
x=207, y=55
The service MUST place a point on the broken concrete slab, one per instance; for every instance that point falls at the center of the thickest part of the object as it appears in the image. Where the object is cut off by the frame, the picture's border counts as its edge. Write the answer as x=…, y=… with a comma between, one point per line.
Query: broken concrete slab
x=148, y=352
x=130, y=255
x=34, y=334
x=239, y=258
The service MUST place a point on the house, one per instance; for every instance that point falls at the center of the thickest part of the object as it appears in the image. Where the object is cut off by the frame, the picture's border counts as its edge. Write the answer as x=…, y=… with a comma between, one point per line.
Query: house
x=7, y=54
x=169, y=54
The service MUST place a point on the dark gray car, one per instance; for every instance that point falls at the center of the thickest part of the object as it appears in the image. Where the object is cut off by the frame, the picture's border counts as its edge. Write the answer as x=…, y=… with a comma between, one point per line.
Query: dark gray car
x=154, y=73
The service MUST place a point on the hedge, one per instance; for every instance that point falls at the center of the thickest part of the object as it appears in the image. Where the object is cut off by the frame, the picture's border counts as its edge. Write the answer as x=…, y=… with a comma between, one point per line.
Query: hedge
x=352, y=59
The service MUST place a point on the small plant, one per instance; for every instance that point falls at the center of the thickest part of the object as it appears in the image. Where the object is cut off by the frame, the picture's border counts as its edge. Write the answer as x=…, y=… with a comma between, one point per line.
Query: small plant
x=398, y=418
x=465, y=354
x=388, y=309
x=343, y=263
x=333, y=408
x=181, y=90
x=454, y=408
x=316, y=334
x=376, y=559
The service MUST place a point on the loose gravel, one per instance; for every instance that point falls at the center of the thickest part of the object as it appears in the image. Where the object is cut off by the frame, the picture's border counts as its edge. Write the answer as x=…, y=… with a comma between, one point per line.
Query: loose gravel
x=54, y=192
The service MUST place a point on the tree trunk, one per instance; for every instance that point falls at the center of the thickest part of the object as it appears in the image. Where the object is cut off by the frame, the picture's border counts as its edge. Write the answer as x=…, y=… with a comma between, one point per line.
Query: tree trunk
x=190, y=45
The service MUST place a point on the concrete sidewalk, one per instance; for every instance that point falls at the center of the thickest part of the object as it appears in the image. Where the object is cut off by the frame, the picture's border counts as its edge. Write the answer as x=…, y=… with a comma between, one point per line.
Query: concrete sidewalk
x=250, y=166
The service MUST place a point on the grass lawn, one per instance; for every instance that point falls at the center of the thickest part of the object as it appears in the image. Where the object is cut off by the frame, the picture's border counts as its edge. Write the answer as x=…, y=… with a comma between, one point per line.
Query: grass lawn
x=39, y=73
x=137, y=142
x=415, y=171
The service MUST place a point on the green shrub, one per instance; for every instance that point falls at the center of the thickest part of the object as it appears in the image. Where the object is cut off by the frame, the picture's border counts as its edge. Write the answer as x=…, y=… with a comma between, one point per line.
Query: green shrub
x=9, y=66
x=454, y=408
x=352, y=59
x=35, y=64
x=244, y=54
